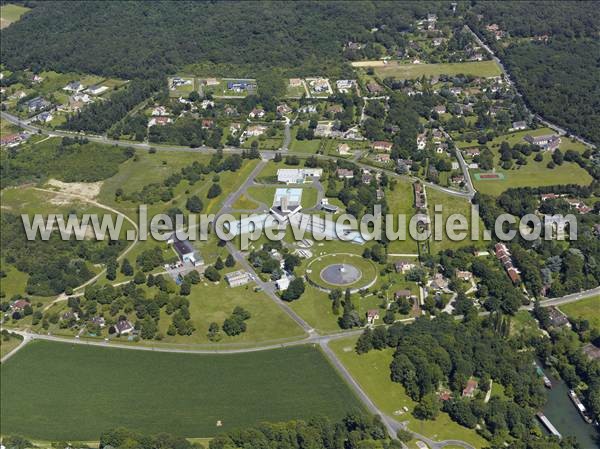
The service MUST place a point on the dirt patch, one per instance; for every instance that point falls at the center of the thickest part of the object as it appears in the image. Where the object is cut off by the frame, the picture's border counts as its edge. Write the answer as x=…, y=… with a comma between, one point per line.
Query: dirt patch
x=89, y=190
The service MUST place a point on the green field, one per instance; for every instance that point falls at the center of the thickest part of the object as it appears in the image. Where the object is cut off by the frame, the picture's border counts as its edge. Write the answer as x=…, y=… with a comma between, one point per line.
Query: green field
x=412, y=71
x=372, y=372
x=74, y=392
x=534, y=173
x=587, y=309
x=10, y=14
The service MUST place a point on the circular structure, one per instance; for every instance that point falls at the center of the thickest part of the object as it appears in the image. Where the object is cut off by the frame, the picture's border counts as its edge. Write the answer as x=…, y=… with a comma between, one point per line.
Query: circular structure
x=341, y=274
x=341, y=271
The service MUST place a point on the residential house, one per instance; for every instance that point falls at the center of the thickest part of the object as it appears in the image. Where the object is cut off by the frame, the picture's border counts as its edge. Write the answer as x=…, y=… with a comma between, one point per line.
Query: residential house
x=38, y=104
x=308, y=109
x=124, y=327
x=372, y=316
x=441, y=109
x=547, y=142
x=75, y=86
x=335, y=109
x=457, y=179
x=557, y=318
x=208, y=123
x=159, y=111
x=469, y=390
x=383, y=158
x=234, y=128
x=99, y=320
x=472, y=152
x=402, y=266
x=402, y=294
x=421, y=141
x=207, y=104
x=374, y=88
x=257, y=113
x=44, y=117
x=12, y=140
x=382, y=145
x=518, y=126
x=255, y=130
x=344, y=149
x=159, y=121
x=439, y=282
x=19, y=305
x=344, y=173
x=283, y=109
x=466, y=276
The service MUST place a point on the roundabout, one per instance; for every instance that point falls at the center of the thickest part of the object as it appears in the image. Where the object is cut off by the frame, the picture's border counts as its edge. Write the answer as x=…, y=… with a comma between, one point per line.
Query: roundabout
x=341, y=271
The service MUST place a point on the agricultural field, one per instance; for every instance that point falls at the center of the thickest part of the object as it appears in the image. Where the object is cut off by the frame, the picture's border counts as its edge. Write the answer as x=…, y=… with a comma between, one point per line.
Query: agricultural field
x=587, y=309
x=372, y=372
x=110, y=388
x=11, y=13
x=413, y=71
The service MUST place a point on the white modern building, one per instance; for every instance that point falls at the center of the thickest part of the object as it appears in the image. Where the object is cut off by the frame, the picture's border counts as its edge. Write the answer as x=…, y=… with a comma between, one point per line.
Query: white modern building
x=298, y=175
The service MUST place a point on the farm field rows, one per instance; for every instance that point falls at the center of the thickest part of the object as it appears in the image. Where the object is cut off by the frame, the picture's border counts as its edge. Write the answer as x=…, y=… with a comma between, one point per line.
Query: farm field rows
x=97, y=389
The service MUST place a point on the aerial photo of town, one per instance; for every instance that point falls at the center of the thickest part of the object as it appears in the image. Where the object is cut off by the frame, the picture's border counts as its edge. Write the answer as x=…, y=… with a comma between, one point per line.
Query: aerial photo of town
x=310, y=224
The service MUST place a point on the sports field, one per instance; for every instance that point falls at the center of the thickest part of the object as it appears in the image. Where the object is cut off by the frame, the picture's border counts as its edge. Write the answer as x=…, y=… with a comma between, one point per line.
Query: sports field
x=413, y=71
x=74, y=392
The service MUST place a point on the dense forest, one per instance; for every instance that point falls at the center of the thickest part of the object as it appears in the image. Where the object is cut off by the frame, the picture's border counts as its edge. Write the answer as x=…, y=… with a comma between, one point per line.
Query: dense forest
x=143, y=40
x=553, y=51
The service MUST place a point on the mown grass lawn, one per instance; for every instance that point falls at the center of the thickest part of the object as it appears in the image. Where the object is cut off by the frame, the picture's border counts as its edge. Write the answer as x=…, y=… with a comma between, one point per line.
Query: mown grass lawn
x=211, y=302
x=59, y=391
x=412, y=71
x=534, y=173
x=11, y=13
x=587, y=309
x=372, y=372
x=452, y=205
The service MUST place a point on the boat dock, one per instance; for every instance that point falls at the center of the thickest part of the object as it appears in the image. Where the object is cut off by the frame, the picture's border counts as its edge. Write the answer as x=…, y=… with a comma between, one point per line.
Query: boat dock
x=546, y=422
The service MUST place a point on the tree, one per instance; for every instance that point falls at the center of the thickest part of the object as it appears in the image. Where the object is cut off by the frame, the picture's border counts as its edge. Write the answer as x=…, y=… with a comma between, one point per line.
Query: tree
x=126, y=268
x=294, y=291
x=111, y=269
x=219, y=263
x=185, y=289
x=234, y=326
x=194, y=204
x=336, y=300
x=212, y=274
x=428, y=407
x=214, y=191
x=214, y=332
x=404, y=435
x=365, y=342
x=139, y=278
x=229, y=261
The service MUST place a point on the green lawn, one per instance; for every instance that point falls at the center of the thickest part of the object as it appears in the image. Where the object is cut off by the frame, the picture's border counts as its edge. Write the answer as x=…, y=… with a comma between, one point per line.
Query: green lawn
x=588, y=309
x=210, y=302
x=451, y=205
x=8, y=346
x=534, y=173
x=11, y=13
x=372, y=372
x=401, y=201
x=74, y=392
x=243, y=202
x=412, y=71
